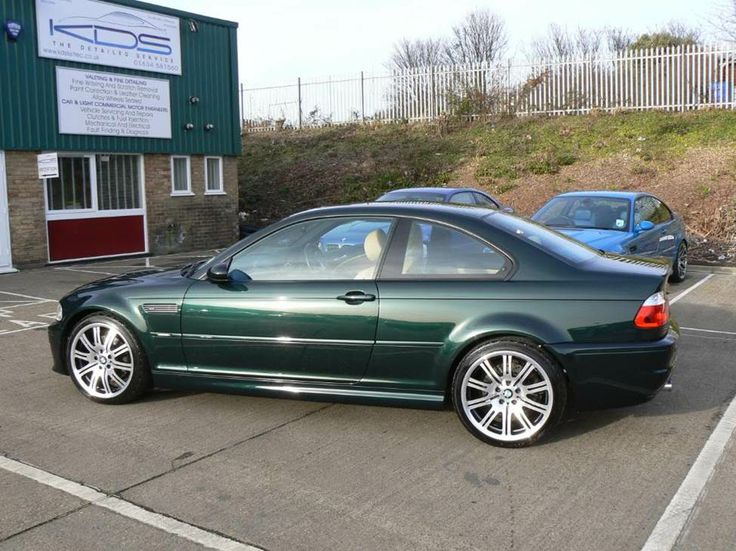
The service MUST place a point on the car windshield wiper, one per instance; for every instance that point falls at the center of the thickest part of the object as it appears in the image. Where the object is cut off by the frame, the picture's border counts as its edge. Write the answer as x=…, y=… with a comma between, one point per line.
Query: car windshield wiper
x=188, y=270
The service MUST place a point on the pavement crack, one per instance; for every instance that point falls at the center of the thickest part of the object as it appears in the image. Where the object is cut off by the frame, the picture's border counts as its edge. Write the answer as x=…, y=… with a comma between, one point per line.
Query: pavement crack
x=175, y=467
x=45, y=522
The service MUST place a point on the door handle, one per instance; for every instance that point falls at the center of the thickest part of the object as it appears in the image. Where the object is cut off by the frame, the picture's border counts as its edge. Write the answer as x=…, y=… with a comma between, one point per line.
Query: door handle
x=356, y=297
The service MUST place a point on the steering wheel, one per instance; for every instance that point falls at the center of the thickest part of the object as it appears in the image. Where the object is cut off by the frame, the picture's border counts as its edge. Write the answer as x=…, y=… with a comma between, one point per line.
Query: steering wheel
x=314, y=257
x=559, y=220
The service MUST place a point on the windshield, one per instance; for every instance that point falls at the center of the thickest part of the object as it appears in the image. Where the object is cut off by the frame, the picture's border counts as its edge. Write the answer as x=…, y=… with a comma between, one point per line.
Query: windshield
x=586, y=212
x=413, y=196
x=543, y=238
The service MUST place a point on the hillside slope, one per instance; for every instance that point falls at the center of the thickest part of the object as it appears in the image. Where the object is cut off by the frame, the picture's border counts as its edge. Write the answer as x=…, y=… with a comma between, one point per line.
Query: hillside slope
x=687, y=159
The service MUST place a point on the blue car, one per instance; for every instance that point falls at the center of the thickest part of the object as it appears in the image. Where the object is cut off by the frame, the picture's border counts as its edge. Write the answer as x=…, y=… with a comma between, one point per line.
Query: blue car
x=454, y=195
x=625, y=223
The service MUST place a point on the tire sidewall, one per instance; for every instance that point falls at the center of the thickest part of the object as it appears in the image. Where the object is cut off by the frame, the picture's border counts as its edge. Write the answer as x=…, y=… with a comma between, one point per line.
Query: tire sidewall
x=545, y=361
x=677, y=277
x=140, y=379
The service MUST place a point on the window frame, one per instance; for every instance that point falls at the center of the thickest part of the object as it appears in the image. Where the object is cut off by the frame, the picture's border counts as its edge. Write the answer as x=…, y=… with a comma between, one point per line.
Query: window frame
x=390, y=268
x=394, y=220
x=185, y=192
x=221, y=190
x=95, y=211
x=494, y=204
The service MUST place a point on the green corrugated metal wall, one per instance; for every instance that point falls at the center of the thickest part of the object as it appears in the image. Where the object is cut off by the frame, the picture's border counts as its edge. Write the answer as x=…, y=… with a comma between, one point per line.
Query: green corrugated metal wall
x=28, y=111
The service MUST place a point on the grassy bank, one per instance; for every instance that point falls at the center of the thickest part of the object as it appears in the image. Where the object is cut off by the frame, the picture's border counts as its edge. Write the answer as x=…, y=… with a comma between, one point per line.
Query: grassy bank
x=689, y=159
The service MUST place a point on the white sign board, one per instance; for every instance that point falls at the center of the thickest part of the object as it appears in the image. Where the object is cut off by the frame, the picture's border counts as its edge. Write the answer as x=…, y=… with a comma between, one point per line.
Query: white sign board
x=48, y=165
x=88, y=31
x=107, y=104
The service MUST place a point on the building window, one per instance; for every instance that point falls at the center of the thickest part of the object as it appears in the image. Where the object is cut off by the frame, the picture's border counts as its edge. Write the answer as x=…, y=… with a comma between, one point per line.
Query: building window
x=181, y=175
x=72, y=190
x=118, y=182
x=213, y=184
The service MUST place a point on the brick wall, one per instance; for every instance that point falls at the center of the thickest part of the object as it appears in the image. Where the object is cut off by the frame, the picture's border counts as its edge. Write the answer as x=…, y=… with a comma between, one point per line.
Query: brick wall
x=185, y=223
x=26, y=208
x=175, y=224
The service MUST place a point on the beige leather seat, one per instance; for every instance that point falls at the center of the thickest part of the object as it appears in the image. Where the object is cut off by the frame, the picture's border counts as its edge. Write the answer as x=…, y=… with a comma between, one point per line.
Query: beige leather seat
x=414, y=251
x=373, y=247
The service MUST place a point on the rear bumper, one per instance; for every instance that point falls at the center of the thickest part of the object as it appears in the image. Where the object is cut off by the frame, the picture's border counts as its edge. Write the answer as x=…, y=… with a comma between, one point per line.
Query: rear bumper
x=57, y=354
x=615, y=375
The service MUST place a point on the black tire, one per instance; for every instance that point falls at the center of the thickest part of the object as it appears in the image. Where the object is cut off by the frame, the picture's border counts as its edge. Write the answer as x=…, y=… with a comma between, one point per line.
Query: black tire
x=136, y=381
x=550, y=378
x=679, y=268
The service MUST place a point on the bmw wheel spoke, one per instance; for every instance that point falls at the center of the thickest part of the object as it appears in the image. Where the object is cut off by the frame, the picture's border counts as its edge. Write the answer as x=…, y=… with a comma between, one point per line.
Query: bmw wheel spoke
x=507, y=395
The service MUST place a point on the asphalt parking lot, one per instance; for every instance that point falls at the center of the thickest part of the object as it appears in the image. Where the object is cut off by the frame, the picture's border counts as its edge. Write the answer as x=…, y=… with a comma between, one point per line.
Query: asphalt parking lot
x=283, y=474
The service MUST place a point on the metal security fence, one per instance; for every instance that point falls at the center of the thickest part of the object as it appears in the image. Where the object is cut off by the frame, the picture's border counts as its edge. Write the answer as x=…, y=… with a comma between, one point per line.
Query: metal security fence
x=678, y=78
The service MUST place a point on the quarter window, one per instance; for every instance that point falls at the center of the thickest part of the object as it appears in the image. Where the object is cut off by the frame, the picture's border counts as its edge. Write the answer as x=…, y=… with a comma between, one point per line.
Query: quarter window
x=434, y=250
x=327, y=249
x=181, y=176
x=484, y=201
x=463, y=198
x=213, y=175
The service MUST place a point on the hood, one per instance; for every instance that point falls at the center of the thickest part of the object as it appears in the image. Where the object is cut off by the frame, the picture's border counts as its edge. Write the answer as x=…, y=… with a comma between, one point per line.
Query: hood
x=147, y=277
x=607, y=240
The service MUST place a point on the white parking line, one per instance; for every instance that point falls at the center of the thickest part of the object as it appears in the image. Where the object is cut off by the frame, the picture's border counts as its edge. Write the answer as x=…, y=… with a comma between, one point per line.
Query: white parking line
x=27, y=296
x=125, y=508
x=691, y=288
x=85, y=271
x=680, y=510
x=709, y=331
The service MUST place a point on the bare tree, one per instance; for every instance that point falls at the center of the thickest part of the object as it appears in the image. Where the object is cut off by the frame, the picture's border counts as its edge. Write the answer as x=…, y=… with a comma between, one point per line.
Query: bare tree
x=410, y=54
x=618, y=39
x=559, y=42
x=480, y=37
x=724, y=20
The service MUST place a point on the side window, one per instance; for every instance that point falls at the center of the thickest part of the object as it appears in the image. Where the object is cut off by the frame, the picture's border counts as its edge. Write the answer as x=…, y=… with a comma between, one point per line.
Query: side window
x=434, y=250
x=484, y=201
x=327, y=249
x=661, y=214
x=463, y=198
x=644, y=210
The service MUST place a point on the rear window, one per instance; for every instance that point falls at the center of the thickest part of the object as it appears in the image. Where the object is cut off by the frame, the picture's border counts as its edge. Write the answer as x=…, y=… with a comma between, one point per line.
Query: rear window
x=544, y=238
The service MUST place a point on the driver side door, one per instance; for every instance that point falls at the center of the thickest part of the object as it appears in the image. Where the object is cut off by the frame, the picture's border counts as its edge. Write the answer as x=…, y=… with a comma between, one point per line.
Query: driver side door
x=300, y=304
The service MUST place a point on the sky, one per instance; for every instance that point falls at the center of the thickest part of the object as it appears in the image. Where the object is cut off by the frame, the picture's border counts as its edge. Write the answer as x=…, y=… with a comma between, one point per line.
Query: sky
x=280, y=40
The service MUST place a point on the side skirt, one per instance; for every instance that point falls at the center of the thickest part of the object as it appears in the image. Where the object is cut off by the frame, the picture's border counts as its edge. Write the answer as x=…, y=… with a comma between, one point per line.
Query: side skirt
x=297, y=390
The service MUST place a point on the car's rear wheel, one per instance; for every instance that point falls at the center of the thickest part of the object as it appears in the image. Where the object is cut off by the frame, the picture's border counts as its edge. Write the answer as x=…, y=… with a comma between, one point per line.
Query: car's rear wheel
x=679, y=268
x=106, y=362
x=508, y=393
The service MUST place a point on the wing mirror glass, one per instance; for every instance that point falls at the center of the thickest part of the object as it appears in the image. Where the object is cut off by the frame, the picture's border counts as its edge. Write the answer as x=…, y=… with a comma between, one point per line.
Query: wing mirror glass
x=644, y=225
x=219, y=273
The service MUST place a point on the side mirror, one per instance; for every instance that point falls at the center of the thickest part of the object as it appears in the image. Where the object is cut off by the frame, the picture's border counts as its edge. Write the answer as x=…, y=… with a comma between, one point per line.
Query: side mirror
x=507, y=210
x=219, y=273
x=644, y=225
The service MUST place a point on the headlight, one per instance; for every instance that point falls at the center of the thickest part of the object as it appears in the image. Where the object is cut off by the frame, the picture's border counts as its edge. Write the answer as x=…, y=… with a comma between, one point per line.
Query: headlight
x=59, y=312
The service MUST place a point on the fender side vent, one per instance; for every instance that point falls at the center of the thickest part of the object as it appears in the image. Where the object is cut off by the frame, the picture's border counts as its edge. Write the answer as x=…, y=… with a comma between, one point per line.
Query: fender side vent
x=161, y=308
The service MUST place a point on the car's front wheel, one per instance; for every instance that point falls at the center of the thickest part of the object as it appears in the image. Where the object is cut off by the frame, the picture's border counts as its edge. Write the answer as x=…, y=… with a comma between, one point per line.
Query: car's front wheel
x=679, y=268
x=508, y=393
x=106, y=362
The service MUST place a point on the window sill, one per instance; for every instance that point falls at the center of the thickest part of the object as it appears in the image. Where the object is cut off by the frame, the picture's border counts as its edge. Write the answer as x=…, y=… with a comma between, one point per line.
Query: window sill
x=215, y=193
x=182, y=194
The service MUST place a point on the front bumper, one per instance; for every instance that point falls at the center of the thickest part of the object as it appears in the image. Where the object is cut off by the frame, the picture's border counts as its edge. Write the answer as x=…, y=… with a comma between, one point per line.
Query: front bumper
x=57, y=354
x=615, y=375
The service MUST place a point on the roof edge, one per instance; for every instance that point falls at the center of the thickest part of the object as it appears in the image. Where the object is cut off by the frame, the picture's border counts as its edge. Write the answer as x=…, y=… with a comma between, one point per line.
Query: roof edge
x=138, y=4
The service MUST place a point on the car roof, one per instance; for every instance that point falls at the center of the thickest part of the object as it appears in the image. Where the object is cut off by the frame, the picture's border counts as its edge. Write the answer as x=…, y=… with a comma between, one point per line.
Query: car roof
x=440, y=190
x=602, y=193
x=440, y=211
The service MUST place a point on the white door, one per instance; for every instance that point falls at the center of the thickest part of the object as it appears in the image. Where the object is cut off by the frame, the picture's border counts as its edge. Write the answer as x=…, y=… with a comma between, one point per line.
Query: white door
x=6, y=263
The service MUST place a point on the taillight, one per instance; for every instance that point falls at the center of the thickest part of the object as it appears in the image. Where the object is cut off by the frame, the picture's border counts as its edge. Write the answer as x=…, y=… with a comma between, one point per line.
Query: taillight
x=654, y=313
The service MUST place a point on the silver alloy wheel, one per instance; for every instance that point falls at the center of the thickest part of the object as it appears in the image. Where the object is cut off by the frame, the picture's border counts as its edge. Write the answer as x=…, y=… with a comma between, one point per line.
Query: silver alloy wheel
x=507, y=396
x=101, y=360
x=682, y=261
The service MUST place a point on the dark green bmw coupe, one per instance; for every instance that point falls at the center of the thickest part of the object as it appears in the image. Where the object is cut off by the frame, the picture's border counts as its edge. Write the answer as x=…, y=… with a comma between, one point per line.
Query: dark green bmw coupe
x=393, y=304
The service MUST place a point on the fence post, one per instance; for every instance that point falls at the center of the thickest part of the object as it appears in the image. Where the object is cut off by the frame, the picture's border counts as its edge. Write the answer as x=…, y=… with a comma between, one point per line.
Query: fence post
x=299, y=95
x=362, y=97
x=242, y=106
